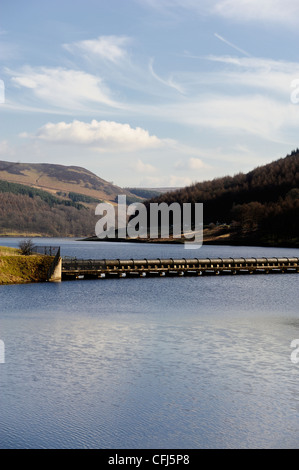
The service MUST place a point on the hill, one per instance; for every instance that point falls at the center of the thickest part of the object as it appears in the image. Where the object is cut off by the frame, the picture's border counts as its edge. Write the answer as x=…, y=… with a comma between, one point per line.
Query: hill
x=52, y=200
x=257, y=208
x=148, y=193
x=260, y=207
x=60, y=179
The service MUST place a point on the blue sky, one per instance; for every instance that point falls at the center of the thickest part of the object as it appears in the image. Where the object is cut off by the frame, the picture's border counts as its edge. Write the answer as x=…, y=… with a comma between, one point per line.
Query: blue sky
x=150, y=93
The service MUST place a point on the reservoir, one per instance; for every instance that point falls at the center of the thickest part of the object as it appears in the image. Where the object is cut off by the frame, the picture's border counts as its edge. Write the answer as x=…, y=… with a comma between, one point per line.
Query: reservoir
x=169, y=363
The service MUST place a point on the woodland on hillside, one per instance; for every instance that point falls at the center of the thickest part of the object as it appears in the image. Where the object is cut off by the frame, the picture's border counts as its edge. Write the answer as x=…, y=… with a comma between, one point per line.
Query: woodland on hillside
x=31, y=211
x=260, y=205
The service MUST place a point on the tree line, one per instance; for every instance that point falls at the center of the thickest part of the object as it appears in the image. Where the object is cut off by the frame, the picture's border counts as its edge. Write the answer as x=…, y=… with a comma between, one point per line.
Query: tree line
x=263, y=202
x=38, y=212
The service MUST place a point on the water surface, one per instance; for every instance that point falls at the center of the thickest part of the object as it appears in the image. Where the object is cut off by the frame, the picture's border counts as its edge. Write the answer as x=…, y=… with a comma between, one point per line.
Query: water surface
x=150, y=363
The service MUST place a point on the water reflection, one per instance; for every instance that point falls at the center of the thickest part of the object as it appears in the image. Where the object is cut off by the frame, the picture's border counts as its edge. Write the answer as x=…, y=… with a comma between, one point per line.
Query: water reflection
x=150, y=363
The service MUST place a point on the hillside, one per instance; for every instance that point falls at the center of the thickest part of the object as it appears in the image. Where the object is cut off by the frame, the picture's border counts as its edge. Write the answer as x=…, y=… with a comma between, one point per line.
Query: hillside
x=51, y=200
x=257, y=208
x=60, y=179
x=260, y=207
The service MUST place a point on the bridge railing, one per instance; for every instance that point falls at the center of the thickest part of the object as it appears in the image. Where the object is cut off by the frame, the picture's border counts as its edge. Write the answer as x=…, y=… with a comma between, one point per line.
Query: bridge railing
x=81, y=264
x=46, y=250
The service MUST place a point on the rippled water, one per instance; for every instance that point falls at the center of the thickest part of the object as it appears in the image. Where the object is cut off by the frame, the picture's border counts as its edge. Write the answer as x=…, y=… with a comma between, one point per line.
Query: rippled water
x=150, y=363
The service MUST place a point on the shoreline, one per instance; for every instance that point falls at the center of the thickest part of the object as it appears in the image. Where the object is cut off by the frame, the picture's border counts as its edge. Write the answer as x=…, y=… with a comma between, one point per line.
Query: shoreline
x=221, y=242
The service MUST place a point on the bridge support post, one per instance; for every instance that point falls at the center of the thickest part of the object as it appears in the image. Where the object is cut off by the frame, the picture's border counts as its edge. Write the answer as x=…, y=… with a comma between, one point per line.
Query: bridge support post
x=56, y=275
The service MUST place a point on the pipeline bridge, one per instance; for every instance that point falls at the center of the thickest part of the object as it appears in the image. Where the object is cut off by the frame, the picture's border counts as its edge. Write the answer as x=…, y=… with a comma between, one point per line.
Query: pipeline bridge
x=72, y=269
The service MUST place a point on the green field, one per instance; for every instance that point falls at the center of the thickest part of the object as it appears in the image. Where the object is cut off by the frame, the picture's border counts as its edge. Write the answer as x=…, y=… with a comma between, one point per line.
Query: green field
x=16, y=268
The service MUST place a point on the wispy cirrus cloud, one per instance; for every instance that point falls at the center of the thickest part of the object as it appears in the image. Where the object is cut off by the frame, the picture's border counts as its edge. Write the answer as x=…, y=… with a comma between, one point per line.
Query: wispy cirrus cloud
x=245, y=96
x=253, y=115
x=110, y=53
x=109, y=48
x=234, y=46
x=62, y=88
x=273, y=76
x=167, y=82
x=270, y=11
x=168, y=6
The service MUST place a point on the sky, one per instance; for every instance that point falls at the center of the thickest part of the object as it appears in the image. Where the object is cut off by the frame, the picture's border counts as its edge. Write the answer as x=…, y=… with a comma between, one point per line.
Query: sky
x=149, y=93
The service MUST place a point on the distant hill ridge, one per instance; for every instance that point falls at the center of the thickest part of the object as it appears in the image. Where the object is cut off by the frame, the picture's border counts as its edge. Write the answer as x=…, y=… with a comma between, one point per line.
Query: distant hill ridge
x=52, y=200
x=259, y=206
x=263, y=184
x=60, y=178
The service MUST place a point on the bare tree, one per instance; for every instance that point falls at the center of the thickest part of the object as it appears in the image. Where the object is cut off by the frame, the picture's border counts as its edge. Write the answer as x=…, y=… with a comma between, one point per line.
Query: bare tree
x=26, y=247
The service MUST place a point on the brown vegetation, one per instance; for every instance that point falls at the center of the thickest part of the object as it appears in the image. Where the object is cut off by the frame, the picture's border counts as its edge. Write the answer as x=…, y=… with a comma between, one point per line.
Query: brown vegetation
x=23, y=215
x=18, y=269
x=260, y=206
x=60, y=178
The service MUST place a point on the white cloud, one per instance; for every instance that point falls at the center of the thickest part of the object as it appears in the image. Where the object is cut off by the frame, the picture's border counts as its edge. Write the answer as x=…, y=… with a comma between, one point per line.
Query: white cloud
x=169, y=82
x=142, y=167
x=278, y=11
x=100, y=135
x=191, y=164
x=247, y=96
x=167, y=6
x=256, y=115
x=196, y=164
x=64, y=88
x=168, y=181
x=231, y=44
x=255, y=72
x=110, y=48
x=269, y=11
x=178, y=181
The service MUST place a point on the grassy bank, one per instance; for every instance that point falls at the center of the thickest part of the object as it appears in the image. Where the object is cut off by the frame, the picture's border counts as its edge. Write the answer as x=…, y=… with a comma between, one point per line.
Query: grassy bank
x=16, y=268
